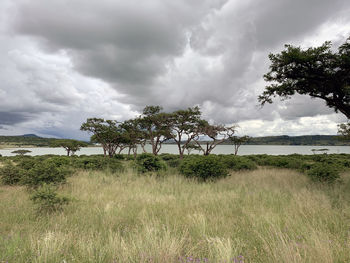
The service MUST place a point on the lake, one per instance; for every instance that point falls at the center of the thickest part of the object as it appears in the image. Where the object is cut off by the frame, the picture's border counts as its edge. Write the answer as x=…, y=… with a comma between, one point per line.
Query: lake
x=220, y=149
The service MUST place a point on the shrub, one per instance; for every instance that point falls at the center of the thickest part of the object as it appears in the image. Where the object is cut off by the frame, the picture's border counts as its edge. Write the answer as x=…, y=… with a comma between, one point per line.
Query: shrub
x=147, y=162
x=27, y=164
x=47, y=200
x=129, y=157
x=174, y=162
x=119, y=156
x=60, y=161
x=203, y=167
x=168, y=156
x=45, y=172
x=237, y=162
x=323, y=173
x=11, y=174
x=98, y=163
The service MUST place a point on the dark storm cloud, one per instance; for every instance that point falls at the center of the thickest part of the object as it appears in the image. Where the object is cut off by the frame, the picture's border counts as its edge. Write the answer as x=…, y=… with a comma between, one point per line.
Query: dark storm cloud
x=11, y=118
x=131, y=45
x=60, y=58
x=123, y=43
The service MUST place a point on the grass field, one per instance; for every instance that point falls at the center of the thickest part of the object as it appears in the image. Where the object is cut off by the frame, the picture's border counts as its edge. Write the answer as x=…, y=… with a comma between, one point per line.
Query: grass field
x=267, y=215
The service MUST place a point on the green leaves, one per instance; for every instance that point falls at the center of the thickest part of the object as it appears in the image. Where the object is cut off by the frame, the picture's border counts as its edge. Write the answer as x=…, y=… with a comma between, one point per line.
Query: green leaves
x=71, y=146
x=318, y=72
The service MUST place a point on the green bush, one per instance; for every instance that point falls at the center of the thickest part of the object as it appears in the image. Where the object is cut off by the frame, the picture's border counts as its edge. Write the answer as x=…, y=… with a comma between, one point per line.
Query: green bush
x=11, y=174
x=168, y=156
x=129, y=157
x=98, y=163
x=323, y=173
x=47, y=200
x=147, y=162
x=119, y=156
x=203, y=167
x=61, y=161
x=172, y=160
x=45, y=172
x=27, y=164
x=238, y=163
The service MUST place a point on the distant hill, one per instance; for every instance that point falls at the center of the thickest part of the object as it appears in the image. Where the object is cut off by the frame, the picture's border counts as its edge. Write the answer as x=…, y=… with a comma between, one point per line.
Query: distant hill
x=30, y=135
x=316, y=140
x=25, y=140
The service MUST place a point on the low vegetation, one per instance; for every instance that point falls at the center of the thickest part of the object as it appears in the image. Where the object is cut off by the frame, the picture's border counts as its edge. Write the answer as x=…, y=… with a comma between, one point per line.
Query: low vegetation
x=258, y=209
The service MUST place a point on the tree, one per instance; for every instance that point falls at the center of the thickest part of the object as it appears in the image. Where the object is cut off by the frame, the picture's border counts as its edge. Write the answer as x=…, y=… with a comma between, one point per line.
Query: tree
x=238, y=141
x=134, y=135
x=185, y=125
x=192, y=146
x=21, y=152
x=155, y=126
x=217, y=134
x=107, y=133
x=71, y=146
x=318, y=72
x=344, y=131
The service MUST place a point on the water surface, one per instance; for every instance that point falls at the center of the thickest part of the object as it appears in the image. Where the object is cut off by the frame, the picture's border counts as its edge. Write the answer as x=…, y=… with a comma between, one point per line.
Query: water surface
x=220, y=149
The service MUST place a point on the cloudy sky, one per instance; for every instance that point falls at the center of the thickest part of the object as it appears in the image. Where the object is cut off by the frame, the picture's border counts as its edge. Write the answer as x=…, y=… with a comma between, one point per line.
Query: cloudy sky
x=62, y=61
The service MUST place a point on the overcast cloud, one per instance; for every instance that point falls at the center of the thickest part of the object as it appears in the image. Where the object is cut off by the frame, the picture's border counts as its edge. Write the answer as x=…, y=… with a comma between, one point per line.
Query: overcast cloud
x=64, y=61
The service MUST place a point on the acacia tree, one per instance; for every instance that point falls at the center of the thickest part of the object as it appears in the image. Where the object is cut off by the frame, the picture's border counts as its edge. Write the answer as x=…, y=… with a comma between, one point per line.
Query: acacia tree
x=193, y=146
x=318, y=72
x=107, y=133
x=134, y=135
x=155, y=127
x=344, y=131
x=71, y=146
x=185, y=126
x=217, y=134
x=238, y=141
x=21, y=152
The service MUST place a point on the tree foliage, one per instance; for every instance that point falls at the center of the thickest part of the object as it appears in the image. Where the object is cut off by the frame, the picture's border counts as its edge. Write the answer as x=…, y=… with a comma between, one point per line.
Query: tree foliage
x=217, y=134
x=108, y=133
x=185, y=127
x=238, y=141
x=156, y=127
x=318, y=72
x=21, y=152
x=344, y=131
x=71, y=146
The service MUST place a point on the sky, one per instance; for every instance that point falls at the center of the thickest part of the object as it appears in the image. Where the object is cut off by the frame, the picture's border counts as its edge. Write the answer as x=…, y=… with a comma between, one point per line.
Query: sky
x=63, y=61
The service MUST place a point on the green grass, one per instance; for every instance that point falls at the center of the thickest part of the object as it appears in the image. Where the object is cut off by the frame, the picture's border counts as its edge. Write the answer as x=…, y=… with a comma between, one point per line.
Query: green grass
x=266, y=215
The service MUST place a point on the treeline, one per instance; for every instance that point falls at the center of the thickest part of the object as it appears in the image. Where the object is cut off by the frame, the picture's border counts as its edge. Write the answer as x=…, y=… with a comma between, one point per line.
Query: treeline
x=25, y=140
x=186, y=128
x=316, y=140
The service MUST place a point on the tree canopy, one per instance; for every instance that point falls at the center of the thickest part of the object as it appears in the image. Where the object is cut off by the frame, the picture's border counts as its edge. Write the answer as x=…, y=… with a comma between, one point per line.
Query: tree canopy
x=21, y=151
x=317, y=71
x=344, y=131
x=71, y=146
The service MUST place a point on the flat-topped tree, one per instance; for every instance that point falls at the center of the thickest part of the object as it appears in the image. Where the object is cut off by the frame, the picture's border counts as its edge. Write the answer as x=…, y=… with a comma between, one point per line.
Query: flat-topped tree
x=318, y=72
x=217, y=134
x=193, y=146
x=344, y=131
x=71, y=146
x=238, y=141
x=21, y=152
x=134, y=135
x=185, y=126
x=156, y=126
x=108, y=133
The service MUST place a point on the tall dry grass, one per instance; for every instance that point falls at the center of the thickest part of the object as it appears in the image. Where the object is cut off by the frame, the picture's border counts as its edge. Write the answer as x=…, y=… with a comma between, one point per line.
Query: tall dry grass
x=267, y=215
